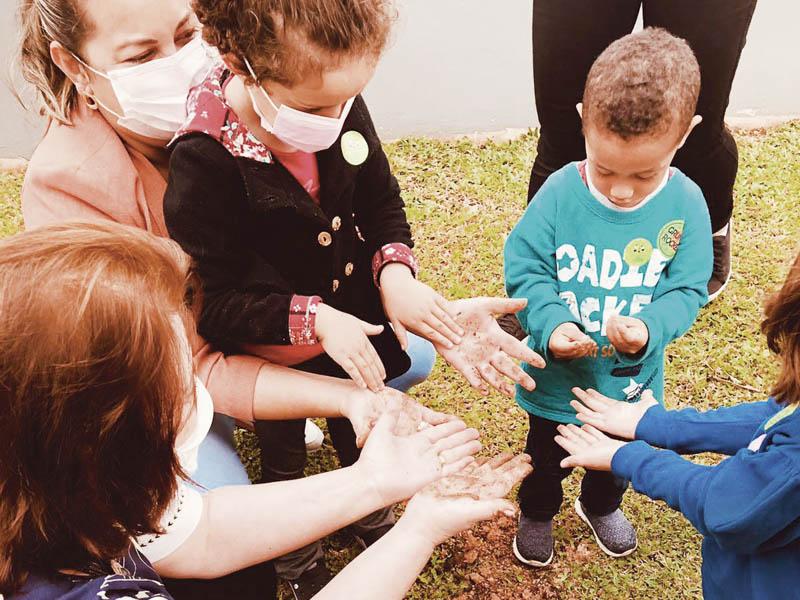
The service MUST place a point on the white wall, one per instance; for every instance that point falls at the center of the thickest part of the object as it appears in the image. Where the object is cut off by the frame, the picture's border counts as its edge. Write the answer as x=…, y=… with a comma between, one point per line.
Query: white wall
x=460, y=66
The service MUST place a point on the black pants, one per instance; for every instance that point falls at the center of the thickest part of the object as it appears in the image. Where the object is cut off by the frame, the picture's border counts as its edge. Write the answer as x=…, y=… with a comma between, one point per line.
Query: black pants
x=568, y=35
x=254, y=583
x=540, y=495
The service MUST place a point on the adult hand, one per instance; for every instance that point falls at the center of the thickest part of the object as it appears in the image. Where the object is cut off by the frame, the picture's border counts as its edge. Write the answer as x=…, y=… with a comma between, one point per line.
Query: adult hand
x=400, y=465
x=454, y=503
x=587, y=447
x=411, y=305
x=363, y=408
x=627, y=334
x=612, y=416
x=486, y=354
x=345, y=339
x=568, y=342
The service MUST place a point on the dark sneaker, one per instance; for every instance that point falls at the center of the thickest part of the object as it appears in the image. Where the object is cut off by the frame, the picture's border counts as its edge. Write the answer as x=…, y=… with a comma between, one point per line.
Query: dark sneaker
x=366, y=539
x=533, y=544
x=722, y=262
x=614, y=533
x=311, y=582
x=510, y=324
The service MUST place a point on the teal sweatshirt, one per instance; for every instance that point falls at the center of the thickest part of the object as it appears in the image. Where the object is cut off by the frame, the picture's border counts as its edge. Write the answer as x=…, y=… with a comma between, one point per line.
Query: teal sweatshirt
x=576, y=260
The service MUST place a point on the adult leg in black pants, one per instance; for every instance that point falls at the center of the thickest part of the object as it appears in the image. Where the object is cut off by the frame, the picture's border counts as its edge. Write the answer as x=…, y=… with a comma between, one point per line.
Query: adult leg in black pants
x=716, y=30
x=567, y=37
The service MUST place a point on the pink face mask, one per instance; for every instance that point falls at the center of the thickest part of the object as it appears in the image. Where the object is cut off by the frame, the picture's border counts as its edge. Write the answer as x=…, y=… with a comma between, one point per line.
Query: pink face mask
x=304, y=131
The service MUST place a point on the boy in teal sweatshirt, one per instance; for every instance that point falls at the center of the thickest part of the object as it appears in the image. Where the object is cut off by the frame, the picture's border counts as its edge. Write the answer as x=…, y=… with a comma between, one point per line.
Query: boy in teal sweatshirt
x=613, y=255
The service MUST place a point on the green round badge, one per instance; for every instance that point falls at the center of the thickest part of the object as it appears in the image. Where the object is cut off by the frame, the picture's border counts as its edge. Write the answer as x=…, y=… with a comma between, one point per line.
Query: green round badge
x=354, y=148
x=638, y=252
x=669, y=238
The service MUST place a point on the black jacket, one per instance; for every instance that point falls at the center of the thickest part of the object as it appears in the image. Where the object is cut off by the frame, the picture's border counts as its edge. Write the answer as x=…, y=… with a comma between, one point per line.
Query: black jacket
x=258, y=238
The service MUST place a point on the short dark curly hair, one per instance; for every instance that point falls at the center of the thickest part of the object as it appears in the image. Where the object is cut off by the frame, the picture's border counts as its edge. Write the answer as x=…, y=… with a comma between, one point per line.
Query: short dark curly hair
x=285, y=40
x=643, y=84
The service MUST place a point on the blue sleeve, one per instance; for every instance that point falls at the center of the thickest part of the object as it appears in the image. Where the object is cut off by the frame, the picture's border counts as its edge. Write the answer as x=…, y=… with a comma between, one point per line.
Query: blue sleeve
x=689, y=431
x=745, y=504
x=683, y=288
x=530, y=271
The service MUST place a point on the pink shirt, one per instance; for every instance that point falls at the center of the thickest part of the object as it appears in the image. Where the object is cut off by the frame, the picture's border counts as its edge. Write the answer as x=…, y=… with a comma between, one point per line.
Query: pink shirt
x=85, y=172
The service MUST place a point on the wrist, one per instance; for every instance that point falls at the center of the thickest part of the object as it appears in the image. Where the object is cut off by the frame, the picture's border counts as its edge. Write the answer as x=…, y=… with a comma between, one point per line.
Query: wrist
x=415, y=532
x=395, y=272
x=376, y=493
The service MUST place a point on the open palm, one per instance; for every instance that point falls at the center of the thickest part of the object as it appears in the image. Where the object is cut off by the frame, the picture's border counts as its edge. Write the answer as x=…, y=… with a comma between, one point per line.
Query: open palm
x=487, y=355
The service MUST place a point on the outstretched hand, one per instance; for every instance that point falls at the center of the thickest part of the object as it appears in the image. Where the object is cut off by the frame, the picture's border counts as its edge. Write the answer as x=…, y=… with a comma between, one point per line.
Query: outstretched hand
x=454, y=503
x=398, y=465
x=612, y=416
x=587, y=447
x=486, y=354
x=363, y=408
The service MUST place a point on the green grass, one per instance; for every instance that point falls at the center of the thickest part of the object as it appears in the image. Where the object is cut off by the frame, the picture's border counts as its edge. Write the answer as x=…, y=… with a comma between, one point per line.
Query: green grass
x=462, y=200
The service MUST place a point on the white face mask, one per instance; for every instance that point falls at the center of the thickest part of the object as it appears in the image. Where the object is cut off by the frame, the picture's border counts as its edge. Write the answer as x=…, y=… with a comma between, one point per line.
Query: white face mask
x=153, y=95
x=304, y=131
x=197, y=425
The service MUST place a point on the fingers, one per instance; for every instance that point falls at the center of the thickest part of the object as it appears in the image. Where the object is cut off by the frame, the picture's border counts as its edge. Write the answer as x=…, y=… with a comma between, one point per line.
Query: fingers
x=500, y=460
x=449, y=308
x=446, y=312
x=431, y=333
x=502, y=306
x=367, y=372
x=371, y=355
x=493, y=378
x=352, y=371
x=457, y=439
x=456, y=466
x=438, y=432
x=593, y=400
x=598, y=435
x=371, y=329
x=401, y=334
x=586, y=415
x=432, y=417
x=520, y=351
x=456, y=454
x=469, y=372
x=513, y=371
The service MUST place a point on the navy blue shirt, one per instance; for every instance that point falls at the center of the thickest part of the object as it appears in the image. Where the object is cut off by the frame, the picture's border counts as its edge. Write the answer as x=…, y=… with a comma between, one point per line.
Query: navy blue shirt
x=131, y=578
x=747, y=507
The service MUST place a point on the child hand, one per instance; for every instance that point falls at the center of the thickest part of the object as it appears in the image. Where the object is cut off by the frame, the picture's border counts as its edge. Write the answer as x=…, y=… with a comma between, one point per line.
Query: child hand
x=612, y=416
x=568, y=342
x=587, y=447
x=627, y=334
x=412, y=305
x=486, y=355
x=345, y=339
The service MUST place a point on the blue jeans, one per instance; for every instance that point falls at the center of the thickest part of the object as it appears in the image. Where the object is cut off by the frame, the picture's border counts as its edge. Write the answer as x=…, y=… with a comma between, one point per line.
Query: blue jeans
x=218, y=462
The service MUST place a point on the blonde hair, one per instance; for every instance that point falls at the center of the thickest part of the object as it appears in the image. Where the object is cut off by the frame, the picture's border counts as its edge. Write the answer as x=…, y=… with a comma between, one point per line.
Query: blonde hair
x=43, y=22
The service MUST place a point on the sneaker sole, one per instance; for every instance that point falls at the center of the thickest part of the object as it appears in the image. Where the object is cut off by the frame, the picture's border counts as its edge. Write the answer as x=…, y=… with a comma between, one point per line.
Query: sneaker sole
x=715, y=295
x=529, y=562
x=585, y=519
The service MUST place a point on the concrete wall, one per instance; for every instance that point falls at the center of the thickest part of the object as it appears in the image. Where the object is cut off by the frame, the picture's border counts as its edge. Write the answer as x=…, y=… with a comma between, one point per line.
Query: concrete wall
x=460, y=66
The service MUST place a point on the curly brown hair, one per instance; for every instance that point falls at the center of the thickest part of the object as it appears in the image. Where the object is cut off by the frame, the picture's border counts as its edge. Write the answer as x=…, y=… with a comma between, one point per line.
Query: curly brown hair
x=781, y=325
x=285, y=40
x=643, y=84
